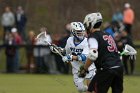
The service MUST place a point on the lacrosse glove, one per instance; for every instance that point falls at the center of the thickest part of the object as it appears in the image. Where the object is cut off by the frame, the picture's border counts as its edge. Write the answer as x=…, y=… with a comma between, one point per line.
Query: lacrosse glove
x=67, y=58
x=82, y=72
x=55, y=49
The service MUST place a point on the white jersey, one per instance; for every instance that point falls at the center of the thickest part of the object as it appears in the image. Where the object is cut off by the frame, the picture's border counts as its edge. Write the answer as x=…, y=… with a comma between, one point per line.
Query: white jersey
x=77, y=49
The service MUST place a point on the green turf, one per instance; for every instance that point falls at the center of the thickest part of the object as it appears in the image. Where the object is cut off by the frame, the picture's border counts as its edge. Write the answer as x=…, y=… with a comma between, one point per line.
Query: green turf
x=27, y=83
x=36, y=84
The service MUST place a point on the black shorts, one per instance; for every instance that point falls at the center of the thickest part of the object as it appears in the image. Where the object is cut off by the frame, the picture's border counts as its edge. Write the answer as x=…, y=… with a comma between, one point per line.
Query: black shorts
x=107, y=78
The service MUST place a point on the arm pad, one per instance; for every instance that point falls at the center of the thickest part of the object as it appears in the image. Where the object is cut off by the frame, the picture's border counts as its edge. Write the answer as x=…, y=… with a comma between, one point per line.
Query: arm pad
x=82, y=57
x=93, y=54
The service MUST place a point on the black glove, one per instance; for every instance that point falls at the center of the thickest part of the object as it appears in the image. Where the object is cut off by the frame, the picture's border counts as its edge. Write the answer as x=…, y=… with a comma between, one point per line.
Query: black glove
x=82, y=72
x=54, y=47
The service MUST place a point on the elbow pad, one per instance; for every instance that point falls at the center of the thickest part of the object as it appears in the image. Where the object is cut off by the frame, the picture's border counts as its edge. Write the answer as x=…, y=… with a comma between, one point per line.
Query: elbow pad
x=93, y=54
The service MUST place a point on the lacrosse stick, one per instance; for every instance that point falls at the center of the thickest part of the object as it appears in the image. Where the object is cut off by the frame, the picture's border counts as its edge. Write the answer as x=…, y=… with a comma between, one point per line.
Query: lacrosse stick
x=42, y=40
x=128, y=50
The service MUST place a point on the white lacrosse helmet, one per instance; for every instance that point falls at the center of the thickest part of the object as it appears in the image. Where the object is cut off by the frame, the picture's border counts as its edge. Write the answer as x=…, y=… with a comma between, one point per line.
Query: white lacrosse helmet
x=78, y=30
x=93, y=20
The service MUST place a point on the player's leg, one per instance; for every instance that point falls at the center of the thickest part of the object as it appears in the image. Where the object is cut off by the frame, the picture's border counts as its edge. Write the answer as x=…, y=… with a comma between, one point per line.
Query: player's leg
x=117, y=83
x=101, y=82
x=88, y=82
x=132, y=64
x=90, y=76
x=79, y=83
x=125, y=60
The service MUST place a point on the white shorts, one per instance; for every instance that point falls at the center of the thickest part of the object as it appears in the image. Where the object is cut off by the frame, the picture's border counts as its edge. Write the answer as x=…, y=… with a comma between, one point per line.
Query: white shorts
x=79, y=82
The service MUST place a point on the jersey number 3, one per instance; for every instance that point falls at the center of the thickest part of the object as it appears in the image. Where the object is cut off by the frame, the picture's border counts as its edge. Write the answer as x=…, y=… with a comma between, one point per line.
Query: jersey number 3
x=112, y=46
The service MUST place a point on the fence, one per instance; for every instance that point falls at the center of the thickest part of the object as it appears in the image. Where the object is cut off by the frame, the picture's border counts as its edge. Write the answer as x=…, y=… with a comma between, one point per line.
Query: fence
x=52, y=64
x=23, y=57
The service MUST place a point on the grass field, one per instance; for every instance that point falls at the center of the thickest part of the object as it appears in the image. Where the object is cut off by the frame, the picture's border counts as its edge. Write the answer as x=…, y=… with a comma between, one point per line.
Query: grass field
x=30, y=83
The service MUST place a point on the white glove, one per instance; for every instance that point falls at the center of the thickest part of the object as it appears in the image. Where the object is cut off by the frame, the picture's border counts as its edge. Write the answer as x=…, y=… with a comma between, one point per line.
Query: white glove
x=67, y=58
x=93, y=54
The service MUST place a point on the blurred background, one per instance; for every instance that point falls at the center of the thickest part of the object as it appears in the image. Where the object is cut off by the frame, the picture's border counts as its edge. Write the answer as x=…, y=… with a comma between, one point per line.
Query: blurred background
x=22, y=20
x=56, y=13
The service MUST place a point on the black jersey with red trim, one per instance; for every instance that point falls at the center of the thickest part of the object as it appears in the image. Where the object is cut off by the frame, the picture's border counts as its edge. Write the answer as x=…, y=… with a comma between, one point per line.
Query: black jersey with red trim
x=108, y=56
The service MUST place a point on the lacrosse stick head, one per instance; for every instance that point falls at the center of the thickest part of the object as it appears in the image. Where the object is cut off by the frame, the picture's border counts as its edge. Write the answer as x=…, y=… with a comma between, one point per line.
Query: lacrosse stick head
x=41, y=39
x=129, y=50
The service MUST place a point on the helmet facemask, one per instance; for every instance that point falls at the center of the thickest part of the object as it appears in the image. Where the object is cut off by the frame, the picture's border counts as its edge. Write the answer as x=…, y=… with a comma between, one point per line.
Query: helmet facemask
x=79, y=34
x=78, y=30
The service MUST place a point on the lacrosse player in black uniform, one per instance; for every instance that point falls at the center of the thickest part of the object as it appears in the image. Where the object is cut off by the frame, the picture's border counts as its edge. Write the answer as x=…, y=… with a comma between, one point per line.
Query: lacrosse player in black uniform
x=103, y=52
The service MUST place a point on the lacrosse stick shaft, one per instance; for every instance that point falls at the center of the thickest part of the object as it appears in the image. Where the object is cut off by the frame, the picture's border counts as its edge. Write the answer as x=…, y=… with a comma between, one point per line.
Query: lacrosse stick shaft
x=122, y=53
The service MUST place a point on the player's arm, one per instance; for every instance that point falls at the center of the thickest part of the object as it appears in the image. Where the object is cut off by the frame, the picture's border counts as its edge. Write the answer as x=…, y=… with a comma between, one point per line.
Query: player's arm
x=93, y=52
x=68, y=57
x=92, y=56
x=87, y=64
x=81, y=57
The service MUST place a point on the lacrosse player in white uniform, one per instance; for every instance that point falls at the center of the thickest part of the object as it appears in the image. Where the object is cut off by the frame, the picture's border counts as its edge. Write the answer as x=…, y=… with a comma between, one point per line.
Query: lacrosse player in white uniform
x=76, y=53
